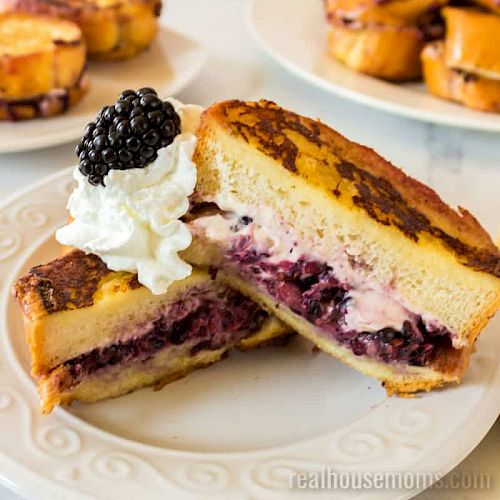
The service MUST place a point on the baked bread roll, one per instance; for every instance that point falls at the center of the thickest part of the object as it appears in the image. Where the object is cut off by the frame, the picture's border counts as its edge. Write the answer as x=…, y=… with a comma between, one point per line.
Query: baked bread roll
x=366, y=262
x=42, y=66
x=471, y=90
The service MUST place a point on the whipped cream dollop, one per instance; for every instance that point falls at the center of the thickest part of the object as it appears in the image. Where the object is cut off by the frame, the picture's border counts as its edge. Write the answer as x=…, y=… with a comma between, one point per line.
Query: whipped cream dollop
x=132, y=223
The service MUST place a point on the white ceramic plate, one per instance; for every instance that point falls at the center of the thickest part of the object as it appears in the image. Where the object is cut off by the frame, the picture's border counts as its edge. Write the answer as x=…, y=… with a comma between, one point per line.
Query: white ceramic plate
x=171, y=63
x=300, y=46
x=234, y=430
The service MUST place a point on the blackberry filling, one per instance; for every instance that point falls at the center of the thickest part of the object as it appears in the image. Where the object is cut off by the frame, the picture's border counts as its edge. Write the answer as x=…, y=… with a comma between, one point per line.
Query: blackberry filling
x=310, y=289
x=127, y=135
x=206, y=320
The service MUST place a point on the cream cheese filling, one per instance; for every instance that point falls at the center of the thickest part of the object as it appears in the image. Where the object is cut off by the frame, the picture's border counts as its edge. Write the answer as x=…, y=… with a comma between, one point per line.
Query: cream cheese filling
x=371, y=306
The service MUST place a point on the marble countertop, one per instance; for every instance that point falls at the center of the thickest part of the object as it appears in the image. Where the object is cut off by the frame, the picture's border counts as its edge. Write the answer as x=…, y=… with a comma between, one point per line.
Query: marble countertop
x=463, y=166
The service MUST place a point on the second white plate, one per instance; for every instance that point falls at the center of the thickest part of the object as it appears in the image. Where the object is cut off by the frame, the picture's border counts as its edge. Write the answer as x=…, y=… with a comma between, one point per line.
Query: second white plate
x=300, y=46
x=168, y=65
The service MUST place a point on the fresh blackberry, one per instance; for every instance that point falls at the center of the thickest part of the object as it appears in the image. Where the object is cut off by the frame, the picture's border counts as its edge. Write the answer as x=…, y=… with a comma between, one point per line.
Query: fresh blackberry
x=127, y=135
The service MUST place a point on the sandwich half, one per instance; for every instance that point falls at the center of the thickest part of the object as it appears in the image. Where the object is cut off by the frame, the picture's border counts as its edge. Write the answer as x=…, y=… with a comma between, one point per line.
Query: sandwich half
x=95, y=333
x=366, y=262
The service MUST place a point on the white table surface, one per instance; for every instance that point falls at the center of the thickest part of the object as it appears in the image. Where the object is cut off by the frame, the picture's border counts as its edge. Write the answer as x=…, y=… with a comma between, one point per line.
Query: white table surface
x=463, y=166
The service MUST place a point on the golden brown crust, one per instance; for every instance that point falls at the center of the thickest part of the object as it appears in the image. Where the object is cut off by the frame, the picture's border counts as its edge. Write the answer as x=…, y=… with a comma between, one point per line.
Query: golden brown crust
x=42, y=66
x=44, y=106
x=113, y=29
x=400, y=12
x=493, y=5
x=74, y=9
x=358, y=177
x=472, y=41
x=383, y=39
x=471, y=90
x=69, y=282
x=384, y=51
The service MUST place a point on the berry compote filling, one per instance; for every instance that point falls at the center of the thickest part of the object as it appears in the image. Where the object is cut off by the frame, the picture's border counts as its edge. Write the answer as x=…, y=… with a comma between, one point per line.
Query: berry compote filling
x=204, y=320
x=311, y=290
x=127, y=135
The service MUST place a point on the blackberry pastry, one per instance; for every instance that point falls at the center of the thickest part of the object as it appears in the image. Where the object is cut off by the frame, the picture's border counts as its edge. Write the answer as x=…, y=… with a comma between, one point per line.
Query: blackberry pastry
x=364, y=261
x=113, y=29
x=42, y=66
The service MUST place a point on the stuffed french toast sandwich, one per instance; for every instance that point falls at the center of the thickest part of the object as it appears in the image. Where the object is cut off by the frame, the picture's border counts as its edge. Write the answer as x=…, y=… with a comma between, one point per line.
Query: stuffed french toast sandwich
x=196, y=231
x=364, y=261
x=120, y=310
x=94, y=333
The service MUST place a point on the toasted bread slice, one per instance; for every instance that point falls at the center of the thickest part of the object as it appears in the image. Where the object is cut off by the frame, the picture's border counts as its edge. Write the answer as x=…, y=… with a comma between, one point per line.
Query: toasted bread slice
x=368, y=263
x=471, y=90
x=113, y=29
x=94, y=333
x=472, y=41
x=395, y=12
x=383, y=39
x=42, y=66
x=384, y=51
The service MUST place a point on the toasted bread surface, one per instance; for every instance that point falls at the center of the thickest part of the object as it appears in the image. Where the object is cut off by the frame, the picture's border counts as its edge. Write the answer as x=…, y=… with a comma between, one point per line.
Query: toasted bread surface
x=42, y=66
x=44, y=105
x=315, y=153
x=383, y=51
x=71, y=282
x=472, y=41
x=394, y=12
x=113, y=29
x=78, y=293
x=38, y=54
x=471, y=90
x=493, y=5
x=75, y=304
